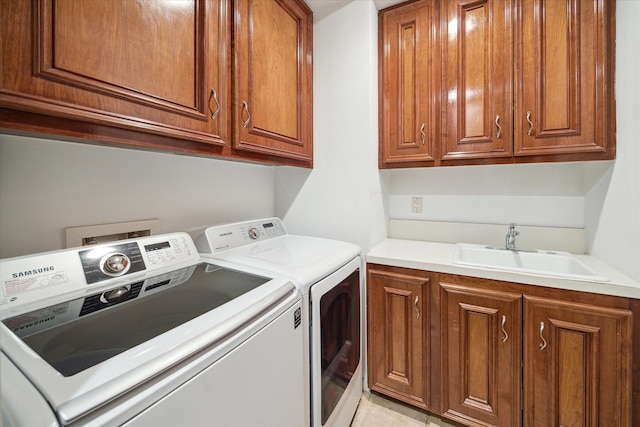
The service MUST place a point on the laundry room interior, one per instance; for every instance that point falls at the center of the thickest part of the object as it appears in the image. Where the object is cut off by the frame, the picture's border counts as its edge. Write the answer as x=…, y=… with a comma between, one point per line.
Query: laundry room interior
x=591, y=208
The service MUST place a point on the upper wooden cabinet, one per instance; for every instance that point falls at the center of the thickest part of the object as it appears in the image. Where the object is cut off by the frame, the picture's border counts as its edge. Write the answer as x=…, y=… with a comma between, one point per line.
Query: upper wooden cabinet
x=564, y=79
x=522, y=81
x=408, y=84
x=477, y=80
x=157, y=67
x=159, y=75
x=273, y=102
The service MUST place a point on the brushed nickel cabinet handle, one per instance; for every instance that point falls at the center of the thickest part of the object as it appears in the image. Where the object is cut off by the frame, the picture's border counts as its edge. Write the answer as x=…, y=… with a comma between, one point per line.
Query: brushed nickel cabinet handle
x=415, y=307
x=214, y=95
x=530, y=123
x=499, y=134
x=544, y=342
x=245, y=107
x=422, y=134
x=506, y=335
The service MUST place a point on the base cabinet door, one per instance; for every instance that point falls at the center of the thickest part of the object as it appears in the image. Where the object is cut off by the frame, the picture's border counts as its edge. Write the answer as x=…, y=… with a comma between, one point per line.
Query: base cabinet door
x=577, y=364
x=398, y=334
x=481, y=342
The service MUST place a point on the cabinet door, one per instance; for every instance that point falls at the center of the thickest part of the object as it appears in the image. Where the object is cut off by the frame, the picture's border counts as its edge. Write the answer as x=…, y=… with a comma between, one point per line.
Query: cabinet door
x=407, y=84
x=481, y=344
x=398, y=325
x=158, y=67
x=477, y=79
x=565, y=104
x=273, y=78
x=577, y=364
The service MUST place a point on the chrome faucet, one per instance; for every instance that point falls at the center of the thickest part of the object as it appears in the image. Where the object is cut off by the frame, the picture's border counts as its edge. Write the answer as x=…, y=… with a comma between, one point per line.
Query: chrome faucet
x=510, y=238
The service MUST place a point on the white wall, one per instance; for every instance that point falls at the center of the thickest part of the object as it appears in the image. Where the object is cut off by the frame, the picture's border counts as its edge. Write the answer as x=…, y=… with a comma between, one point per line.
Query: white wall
x=342, y=197
x=48, y=185
x=613, y=198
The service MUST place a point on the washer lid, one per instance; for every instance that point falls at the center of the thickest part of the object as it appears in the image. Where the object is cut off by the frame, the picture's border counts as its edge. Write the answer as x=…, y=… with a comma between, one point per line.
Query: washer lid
x=85, y=352
x=305, y=260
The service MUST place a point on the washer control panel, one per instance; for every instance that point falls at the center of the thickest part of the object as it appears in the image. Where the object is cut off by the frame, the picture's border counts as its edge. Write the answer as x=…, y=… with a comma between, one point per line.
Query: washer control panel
x=51, y=274
x=115, y=260
x=106, y=261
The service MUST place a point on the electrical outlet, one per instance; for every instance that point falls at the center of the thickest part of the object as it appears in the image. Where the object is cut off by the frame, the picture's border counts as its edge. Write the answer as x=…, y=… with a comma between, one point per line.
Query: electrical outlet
x=416, y=205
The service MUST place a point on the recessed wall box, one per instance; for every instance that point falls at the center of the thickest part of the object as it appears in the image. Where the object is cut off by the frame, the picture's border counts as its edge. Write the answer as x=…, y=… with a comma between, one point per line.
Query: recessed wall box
x=94, y=234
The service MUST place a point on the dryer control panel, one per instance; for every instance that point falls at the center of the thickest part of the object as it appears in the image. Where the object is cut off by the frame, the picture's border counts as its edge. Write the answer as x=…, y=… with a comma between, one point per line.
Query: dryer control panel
x=224, y=237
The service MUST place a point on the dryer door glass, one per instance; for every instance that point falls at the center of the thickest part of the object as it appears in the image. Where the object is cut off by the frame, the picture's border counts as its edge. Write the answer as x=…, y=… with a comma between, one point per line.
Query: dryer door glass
x=340, y=340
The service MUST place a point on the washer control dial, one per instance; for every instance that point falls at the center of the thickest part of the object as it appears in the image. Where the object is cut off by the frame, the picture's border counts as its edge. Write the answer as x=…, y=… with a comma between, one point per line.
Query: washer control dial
x=115, y=264
x=254, y=233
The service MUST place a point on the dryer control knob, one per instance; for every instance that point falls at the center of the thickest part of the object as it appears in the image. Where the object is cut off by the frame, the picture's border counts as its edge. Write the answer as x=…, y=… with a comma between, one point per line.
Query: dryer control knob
x=115, y=264
x=254, y=233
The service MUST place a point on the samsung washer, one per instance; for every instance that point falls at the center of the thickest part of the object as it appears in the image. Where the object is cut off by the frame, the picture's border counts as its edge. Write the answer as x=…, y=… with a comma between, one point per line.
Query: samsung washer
x=146, y=332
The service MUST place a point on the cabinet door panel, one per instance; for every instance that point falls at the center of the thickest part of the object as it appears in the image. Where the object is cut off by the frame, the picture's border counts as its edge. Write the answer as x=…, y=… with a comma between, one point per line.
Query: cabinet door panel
x=398, y=338
x=408, y=122
x=273, y=99
x=142, y=65
x=564, y=103
x=577, y=364
x=482, y=345
x=477, y=64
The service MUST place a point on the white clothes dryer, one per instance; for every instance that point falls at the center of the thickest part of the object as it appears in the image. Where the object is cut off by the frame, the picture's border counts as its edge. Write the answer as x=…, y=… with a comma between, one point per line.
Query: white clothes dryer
x=327, y=272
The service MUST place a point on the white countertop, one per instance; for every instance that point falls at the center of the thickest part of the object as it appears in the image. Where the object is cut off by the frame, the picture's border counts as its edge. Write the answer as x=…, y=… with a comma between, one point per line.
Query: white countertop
x=438, y=257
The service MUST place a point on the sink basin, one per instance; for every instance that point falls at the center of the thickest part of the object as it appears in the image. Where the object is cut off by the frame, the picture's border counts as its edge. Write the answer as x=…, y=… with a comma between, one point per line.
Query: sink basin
x=548, y=263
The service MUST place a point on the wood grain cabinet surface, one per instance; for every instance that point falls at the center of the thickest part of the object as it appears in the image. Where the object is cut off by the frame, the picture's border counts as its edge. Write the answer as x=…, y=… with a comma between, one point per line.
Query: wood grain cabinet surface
x=503, y=354
x=154, y=75
x=273, y=101
x=482, y=346
x=408, y=83
x=521, y=81
x=398, y=334
x=577, y=364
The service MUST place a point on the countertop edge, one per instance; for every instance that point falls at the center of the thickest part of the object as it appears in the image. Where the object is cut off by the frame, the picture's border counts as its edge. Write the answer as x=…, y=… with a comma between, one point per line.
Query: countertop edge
x=437, y=257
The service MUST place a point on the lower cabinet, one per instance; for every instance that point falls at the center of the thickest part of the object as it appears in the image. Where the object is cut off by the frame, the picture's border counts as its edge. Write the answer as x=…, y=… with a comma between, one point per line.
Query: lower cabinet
x=509, y=354
x=398, y=334
x=482, y=350
x=577, y=364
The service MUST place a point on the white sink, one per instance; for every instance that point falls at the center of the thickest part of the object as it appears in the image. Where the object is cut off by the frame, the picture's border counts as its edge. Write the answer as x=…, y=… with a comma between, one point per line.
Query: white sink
x=548, y=263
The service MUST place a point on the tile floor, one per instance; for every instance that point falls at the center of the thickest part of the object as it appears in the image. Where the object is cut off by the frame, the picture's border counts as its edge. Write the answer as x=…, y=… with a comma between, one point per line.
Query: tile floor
x=374, y=411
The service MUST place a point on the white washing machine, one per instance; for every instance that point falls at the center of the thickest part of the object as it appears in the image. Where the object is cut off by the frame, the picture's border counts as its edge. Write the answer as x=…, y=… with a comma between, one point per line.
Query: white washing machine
x=327, y=273
x=145, y=332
